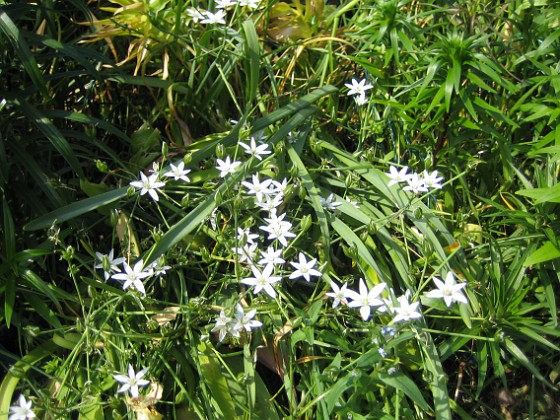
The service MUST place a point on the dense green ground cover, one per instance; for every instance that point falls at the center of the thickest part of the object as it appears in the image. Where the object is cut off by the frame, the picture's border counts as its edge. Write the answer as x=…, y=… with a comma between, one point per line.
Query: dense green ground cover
x=354, y=203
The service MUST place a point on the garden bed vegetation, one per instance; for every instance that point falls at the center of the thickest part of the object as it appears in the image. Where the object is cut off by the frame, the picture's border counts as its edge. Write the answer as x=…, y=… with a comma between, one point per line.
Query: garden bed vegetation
x=260, y=209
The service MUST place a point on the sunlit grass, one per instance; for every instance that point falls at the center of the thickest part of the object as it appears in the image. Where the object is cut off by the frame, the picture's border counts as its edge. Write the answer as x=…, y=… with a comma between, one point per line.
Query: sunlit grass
x=296, y=210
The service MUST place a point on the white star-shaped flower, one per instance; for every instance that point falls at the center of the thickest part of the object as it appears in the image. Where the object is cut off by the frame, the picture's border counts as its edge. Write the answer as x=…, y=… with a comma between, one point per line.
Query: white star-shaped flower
x=212, y=18
x=155, y=269
x=305, y=268
x=358, y=88
x=406, y=311
x=353, y=202
x=271, y=256
x=132, y=381
x=360, y=99
x=365, y=299
x=227, y=166
x=270, y=202
x=22, y=410
x=222, y=326
x=415, y=184
x=244, y=321
x=397, y=175
x=339, y=294
x=432, y=180
x=329, y=203
x=278, y=229
x=149, y=185
x=450, y=291
x=225, y=4
x=108, y=263
x=244, y=236
x=253, y=4
x=256, y=150
x=195, y=14
x=133, y=276
x=247, y=252
x=280, y=187
x=178, y=172
x=257, y=188
x=263, y=280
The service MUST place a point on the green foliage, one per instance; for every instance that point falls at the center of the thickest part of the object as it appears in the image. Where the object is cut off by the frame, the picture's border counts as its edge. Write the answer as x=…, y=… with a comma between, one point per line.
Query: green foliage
x=96, y=94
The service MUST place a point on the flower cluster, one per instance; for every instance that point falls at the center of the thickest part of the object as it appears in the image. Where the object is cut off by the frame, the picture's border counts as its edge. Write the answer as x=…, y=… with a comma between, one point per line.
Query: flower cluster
x=219, y=16
x=367, y=299
x=241, y=321
x=132, y=276
x=404, y=310
x=152, y=184
x=416, y=183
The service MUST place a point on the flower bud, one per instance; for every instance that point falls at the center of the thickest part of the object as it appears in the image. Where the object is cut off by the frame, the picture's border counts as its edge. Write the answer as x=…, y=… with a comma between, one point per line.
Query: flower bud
x=364, y=235
x=205, y=254
x=305, y=223
x=186, y=200
x=101, y=166
x=131, y=191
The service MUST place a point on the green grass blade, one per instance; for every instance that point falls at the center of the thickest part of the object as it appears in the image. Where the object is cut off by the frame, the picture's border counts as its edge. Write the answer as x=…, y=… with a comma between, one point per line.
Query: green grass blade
x=404, y=384
x=314, y=197
x=73, y=210
x=252, y=65
x=10, y=381
x=9, y=28
x=518, y=354
x=354, y=240
x=302, y=108
x=42, y=309
x=53, y=134
x=438, y=377
x=214, y=379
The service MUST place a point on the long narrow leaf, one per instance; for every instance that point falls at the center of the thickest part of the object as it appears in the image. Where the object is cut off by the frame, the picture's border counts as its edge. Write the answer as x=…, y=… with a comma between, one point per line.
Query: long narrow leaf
x=73, y=210
x=53, y=134
x=9, y=28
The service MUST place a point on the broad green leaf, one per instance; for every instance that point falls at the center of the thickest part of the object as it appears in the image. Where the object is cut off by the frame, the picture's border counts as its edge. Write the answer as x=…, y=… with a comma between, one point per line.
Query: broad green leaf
x=518, y=354
x=43, y=309
x=54, y=135
x=406, y=385
x=542, y=195
x=252, y=57
x=9, y=251
x=11, y=31
x=302, y=108
x=216, y=382
x=314, y=196
x=438, y=377
x=352, y=239
x=482, y=359
x=76, y=209
x=92, y=408
x=18, y=370
x=33, y=281
x=536, y=337
x=547, y=252
x=497, y=365
x=331, y=396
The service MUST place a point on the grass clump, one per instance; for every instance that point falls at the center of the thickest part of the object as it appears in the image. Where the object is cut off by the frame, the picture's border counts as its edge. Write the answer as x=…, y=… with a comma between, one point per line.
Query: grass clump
x=245, y=209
